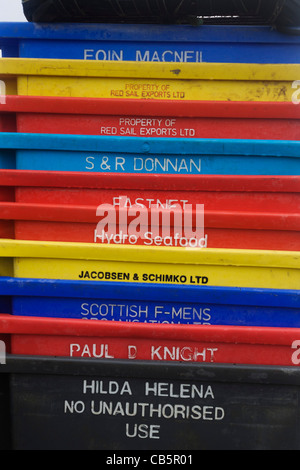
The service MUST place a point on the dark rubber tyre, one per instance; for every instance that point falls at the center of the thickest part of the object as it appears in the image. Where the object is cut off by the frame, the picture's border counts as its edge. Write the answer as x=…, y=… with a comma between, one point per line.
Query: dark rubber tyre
x=288, y=20
x=284, y=14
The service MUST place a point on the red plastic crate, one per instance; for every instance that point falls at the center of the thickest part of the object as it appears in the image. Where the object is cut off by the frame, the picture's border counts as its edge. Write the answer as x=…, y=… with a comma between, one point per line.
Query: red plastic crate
x=239, y=212
x=147, y=118
x=78, y=224
x=276, y=195
x=140, y=341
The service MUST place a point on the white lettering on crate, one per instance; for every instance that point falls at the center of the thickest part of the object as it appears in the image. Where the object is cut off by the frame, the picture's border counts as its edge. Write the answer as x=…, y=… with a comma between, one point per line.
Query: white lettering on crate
x=135, y=313
x=110, y=398
x=161, y=165
x=169, y=56
x=100, y=54
x=156, y=353
x=144, y=56
x=296, y=94
x=152, y=127
x=2, y=352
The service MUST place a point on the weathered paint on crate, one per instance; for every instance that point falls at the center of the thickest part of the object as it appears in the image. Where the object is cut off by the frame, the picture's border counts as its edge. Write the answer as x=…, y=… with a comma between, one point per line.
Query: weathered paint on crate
x=146, y=80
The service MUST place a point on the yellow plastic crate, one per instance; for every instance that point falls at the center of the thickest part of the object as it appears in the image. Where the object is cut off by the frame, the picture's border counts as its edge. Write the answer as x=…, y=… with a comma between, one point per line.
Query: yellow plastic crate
x=143, y=80
x=182, y=266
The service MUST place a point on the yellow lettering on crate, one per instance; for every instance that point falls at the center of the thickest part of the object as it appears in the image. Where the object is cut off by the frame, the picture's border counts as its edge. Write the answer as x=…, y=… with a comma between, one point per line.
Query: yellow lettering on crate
x=181, y=90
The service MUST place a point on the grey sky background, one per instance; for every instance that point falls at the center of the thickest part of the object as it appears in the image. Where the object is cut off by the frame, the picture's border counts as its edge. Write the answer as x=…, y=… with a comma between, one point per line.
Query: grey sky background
x=11, y=10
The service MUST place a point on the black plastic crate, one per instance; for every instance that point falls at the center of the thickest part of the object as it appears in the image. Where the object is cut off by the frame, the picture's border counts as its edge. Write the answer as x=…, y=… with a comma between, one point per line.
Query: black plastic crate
x=68, y=404
x=5, y=421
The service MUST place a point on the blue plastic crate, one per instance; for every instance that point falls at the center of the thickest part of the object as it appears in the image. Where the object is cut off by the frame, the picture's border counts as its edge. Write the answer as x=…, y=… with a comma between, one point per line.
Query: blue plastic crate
x=152, y=303
x=149, y=156
x=157, y=43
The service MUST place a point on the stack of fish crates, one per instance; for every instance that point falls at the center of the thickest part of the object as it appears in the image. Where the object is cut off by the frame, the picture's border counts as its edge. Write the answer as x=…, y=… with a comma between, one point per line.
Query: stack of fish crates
x=150, y=248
